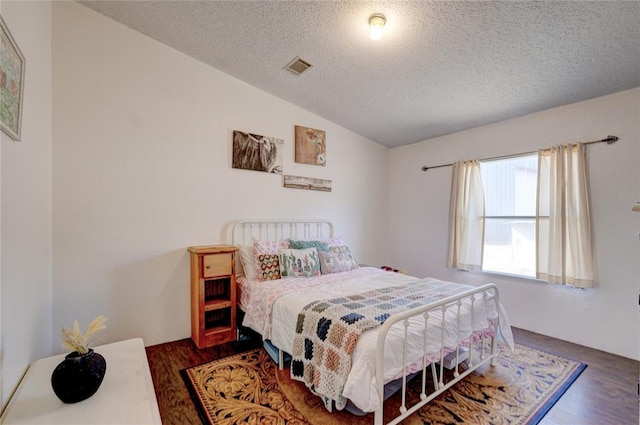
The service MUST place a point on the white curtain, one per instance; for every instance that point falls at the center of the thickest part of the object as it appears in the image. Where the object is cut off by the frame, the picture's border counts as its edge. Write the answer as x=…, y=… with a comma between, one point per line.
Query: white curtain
x=466, y=217
x=563, y=222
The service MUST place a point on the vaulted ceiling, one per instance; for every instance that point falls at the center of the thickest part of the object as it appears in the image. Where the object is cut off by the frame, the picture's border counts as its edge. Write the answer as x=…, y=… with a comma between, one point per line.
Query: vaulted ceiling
x=440, y=67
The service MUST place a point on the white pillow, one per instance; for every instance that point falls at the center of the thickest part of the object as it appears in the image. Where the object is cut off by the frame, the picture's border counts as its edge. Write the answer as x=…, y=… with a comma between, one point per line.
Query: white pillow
x=246, y=259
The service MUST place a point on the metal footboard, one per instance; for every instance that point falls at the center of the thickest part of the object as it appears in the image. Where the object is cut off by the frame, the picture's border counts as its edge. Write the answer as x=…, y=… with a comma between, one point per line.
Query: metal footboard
x=488, y=293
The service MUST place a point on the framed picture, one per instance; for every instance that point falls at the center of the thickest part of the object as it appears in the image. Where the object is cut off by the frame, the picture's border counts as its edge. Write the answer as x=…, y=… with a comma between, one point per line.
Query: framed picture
x=308, y=183
x=11, y=83
x=257, y=153
x=311, y=146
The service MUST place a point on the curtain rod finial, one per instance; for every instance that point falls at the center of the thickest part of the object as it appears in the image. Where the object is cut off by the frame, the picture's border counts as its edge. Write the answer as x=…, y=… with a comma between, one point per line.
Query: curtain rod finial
x=611, y=139
x=425, y=168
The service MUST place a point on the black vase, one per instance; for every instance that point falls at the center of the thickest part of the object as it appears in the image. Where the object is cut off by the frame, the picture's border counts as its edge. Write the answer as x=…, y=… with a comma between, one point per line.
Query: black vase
x=79, y=376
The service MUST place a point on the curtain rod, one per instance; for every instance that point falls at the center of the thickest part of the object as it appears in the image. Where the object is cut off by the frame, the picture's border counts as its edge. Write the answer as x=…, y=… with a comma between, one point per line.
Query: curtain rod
x=608, y=140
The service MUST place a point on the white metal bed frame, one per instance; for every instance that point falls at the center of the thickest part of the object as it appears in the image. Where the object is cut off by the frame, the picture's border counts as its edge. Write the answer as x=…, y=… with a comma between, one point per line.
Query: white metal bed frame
x=243, y=233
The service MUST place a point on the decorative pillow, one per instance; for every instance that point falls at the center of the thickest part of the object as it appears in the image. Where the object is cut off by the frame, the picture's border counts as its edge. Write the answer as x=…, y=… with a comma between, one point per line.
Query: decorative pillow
x=247, y=261
x=334, y=242
x=269, y=267
x=266, y=247
x=338, y=259
x=299, y=262
x=304, y=244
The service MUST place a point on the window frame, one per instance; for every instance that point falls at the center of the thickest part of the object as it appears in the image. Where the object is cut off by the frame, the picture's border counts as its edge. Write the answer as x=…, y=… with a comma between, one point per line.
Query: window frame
x=534, y=218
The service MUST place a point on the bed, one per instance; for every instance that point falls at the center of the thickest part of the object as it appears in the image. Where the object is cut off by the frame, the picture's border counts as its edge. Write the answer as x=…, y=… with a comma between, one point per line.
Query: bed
x=358, y=334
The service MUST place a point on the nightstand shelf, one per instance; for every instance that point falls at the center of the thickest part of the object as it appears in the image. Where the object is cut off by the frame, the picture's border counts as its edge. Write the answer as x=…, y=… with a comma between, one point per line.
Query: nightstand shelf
x=213, y=294
x=216, y=305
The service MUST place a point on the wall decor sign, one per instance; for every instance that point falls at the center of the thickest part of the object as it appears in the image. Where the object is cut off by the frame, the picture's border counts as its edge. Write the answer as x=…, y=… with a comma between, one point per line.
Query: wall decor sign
x=257, y=153
x=311, y=146
x=309, y=183
x=11, y=83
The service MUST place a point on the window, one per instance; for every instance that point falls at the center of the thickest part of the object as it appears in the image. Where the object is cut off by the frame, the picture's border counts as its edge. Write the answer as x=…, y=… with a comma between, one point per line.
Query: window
x=525, y=216
x=510, y=215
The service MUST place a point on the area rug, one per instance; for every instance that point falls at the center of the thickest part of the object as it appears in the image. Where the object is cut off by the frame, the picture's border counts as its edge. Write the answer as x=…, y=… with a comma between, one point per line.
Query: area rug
x=249, y=388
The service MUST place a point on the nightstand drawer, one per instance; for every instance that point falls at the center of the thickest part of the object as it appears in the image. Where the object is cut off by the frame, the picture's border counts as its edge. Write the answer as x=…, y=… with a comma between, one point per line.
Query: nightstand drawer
x=216, y=265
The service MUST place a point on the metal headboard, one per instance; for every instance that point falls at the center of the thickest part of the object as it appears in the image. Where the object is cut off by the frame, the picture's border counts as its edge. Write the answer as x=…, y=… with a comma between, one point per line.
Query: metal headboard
x=243, y=232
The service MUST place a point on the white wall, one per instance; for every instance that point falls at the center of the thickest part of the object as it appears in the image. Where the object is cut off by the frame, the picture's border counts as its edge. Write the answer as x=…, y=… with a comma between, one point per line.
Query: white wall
x=605, y=317
x=26, y=249
x=142, y=170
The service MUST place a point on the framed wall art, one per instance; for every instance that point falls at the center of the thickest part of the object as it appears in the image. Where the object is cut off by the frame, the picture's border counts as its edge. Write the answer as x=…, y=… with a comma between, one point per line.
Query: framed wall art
x=310, y=146
x=257, y=153
x=309, y=183
x=11, y=83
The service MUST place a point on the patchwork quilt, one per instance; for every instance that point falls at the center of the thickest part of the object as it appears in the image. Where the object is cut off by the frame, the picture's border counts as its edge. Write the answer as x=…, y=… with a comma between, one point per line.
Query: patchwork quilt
x=327, y=331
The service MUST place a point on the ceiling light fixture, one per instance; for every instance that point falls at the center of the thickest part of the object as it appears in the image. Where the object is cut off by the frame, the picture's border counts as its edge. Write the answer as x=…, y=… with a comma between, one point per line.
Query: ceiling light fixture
x=376, y=22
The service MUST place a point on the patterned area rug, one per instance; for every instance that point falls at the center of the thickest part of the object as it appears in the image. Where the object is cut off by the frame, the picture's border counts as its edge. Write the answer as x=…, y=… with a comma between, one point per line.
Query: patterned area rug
x=249, y=388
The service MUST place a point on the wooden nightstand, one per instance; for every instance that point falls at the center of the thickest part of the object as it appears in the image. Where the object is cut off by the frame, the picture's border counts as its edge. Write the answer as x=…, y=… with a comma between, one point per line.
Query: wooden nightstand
x=213, y=294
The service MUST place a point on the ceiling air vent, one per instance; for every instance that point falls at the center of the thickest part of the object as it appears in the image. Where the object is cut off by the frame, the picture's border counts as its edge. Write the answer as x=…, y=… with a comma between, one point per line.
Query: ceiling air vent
x=298, y=66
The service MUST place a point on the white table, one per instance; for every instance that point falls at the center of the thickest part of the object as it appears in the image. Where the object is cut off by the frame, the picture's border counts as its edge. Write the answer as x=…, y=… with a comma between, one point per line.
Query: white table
x=126, y=395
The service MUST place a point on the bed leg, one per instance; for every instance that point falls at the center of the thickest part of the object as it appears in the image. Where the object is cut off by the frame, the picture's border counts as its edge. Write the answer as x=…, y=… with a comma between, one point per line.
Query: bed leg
x=434, y=374
x=280, y=359
x=494, y=350
x=378, y=417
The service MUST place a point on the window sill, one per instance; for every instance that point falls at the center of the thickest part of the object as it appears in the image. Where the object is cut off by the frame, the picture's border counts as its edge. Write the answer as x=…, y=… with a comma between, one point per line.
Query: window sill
x=527, y=279
x=522, y=279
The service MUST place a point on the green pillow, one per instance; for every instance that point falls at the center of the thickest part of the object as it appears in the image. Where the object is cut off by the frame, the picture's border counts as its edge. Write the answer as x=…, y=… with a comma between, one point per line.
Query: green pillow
x=298, y=244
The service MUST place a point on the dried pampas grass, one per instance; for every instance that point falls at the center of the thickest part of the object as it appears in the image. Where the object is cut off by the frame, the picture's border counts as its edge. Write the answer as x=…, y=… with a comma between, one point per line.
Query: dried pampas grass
x=75, y=340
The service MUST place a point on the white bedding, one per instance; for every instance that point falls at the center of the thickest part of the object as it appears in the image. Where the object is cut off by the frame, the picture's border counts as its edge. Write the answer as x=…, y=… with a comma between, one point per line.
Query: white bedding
x=272, y=307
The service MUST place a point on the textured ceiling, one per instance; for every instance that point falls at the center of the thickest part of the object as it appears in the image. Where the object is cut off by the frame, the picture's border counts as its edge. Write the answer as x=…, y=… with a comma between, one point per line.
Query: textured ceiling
x=441, y=67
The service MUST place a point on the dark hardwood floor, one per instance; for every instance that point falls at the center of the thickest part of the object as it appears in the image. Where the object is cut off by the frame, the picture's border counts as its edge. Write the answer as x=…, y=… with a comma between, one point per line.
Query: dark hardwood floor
x=604, y=394
x=166, y=361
